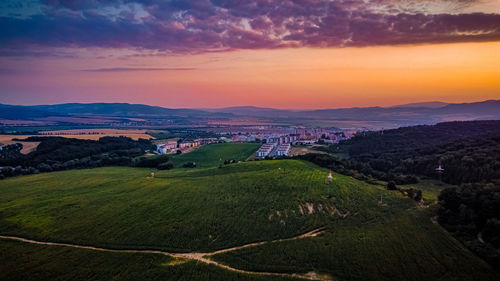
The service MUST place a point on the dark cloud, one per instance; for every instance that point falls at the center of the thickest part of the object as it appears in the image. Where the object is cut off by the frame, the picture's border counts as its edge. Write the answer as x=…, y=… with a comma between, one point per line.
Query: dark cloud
x=181, y=26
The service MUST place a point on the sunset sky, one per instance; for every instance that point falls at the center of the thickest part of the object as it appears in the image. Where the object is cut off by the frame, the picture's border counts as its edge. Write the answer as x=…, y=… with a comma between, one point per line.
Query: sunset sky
x=282, y=54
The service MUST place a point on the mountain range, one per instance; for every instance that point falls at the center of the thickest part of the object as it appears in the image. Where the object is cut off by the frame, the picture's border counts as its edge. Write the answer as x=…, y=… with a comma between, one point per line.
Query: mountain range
x=408, y=114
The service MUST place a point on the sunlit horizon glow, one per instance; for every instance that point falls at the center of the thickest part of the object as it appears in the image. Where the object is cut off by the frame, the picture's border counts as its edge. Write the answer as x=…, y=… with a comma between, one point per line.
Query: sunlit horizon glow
x=331, y=55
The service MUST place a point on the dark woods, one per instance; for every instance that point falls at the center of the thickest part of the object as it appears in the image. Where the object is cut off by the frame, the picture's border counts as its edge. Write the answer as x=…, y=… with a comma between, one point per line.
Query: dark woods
x=469, y=152
x=57, y=153
x=472, y=213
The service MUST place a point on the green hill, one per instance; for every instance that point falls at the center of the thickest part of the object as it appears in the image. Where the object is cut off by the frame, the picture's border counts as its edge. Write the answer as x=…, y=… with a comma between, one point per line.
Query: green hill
x=215, y=208
x=215, y=154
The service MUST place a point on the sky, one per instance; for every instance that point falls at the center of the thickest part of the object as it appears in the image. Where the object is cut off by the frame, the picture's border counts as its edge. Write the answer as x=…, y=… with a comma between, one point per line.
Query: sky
x=300, y=54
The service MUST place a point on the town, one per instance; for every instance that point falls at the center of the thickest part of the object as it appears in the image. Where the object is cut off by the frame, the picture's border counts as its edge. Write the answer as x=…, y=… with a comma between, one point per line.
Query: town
x=276, y=141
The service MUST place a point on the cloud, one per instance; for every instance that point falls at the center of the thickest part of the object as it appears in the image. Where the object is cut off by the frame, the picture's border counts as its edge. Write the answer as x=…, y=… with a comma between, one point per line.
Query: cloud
x=198, y=26
x=127, y=69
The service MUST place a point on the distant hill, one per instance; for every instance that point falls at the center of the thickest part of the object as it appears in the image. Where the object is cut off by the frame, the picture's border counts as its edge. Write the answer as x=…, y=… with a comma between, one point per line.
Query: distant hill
x=404, y=115
x=39, y=112
x=14, y=112
x=254, y=111
x=118, y=109
x=489, y=107
x=431, y=104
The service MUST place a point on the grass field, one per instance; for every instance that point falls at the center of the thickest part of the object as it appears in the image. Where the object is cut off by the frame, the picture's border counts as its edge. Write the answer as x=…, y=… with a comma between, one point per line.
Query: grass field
x=430, y=189
x=214, y=154
x=215, y=208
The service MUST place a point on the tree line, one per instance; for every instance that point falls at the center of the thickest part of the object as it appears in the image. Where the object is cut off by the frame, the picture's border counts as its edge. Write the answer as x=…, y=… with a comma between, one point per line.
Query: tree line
x=58, y=153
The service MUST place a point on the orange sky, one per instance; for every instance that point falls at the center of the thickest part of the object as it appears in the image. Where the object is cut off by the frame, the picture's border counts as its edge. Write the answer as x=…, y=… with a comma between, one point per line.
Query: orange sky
x=284, y=78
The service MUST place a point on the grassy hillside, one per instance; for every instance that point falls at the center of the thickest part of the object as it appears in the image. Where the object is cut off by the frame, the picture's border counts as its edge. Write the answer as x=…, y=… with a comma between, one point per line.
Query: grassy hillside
x=403, y=247
x=179, y=210
x=215, y=208
x=34, y=263
x=215, y=154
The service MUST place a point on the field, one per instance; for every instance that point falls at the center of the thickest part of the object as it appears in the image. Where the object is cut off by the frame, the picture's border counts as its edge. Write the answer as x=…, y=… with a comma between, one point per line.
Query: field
x=301, y=150
x=213, y=208
x=430, y=189
x=95, y=134
x=214, y=154
x=85, y=134
x=27, y=146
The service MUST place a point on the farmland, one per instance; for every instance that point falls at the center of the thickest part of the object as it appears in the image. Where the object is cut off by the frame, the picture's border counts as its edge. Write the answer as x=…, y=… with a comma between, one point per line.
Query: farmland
x=213, y=208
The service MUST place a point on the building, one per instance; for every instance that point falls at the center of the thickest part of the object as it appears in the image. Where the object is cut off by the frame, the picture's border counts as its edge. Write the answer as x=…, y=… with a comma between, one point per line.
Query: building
x=239, y=138
x=207, y=140
x=188, y=144
x=283, y=149
x=167, y=147
x=265, y=150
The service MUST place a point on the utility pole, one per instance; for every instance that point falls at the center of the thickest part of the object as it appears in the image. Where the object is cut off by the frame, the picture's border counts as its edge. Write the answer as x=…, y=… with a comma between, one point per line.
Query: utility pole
x=330, y=180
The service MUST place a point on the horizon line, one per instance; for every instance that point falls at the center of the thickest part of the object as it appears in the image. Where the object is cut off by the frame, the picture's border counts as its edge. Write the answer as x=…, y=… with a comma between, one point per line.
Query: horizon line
x=256, y=107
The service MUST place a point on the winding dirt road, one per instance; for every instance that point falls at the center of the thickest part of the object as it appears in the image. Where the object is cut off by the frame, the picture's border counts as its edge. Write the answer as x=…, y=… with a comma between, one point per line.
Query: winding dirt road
x=202, y=257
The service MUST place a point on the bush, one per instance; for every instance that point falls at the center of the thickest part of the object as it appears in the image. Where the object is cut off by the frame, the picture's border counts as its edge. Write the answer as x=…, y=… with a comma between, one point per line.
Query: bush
x=150, y=162
x=189, y=165
x=165, y=166
x=391, y=186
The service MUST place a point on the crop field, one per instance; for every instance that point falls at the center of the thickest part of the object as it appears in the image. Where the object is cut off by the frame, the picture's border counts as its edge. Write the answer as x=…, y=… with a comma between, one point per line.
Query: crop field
x=209, y=209
x=95, y=134
x=27, y=146
x=214, y=154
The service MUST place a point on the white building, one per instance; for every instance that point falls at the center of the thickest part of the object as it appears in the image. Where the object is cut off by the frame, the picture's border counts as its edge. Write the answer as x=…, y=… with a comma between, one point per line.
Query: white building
x=283, y=149
x=167, y=147
x=265, y=150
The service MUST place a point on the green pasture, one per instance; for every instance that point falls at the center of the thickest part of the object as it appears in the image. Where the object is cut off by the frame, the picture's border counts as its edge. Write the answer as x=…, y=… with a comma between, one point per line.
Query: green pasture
x=214, y=154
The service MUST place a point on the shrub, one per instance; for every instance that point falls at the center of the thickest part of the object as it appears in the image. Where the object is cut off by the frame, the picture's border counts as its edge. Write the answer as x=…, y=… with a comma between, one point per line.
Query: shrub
x=391, y=186
x=165, y=166
x=189, y=165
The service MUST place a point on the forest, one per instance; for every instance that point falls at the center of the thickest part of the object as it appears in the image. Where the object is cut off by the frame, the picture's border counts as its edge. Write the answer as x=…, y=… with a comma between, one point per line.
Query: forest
x=469, y=153
x=472, y=213
x=58, y=153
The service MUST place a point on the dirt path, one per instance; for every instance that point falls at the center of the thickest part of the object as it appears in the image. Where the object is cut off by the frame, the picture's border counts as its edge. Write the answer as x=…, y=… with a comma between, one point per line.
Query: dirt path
x=202, y=257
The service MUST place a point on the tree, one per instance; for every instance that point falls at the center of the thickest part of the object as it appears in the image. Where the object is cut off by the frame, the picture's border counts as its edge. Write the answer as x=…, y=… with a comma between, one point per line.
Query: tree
x=391, y=186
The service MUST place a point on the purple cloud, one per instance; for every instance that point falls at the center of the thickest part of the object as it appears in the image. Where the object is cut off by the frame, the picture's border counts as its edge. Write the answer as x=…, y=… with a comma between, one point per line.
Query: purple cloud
x=130, y=69
x=202, y=25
